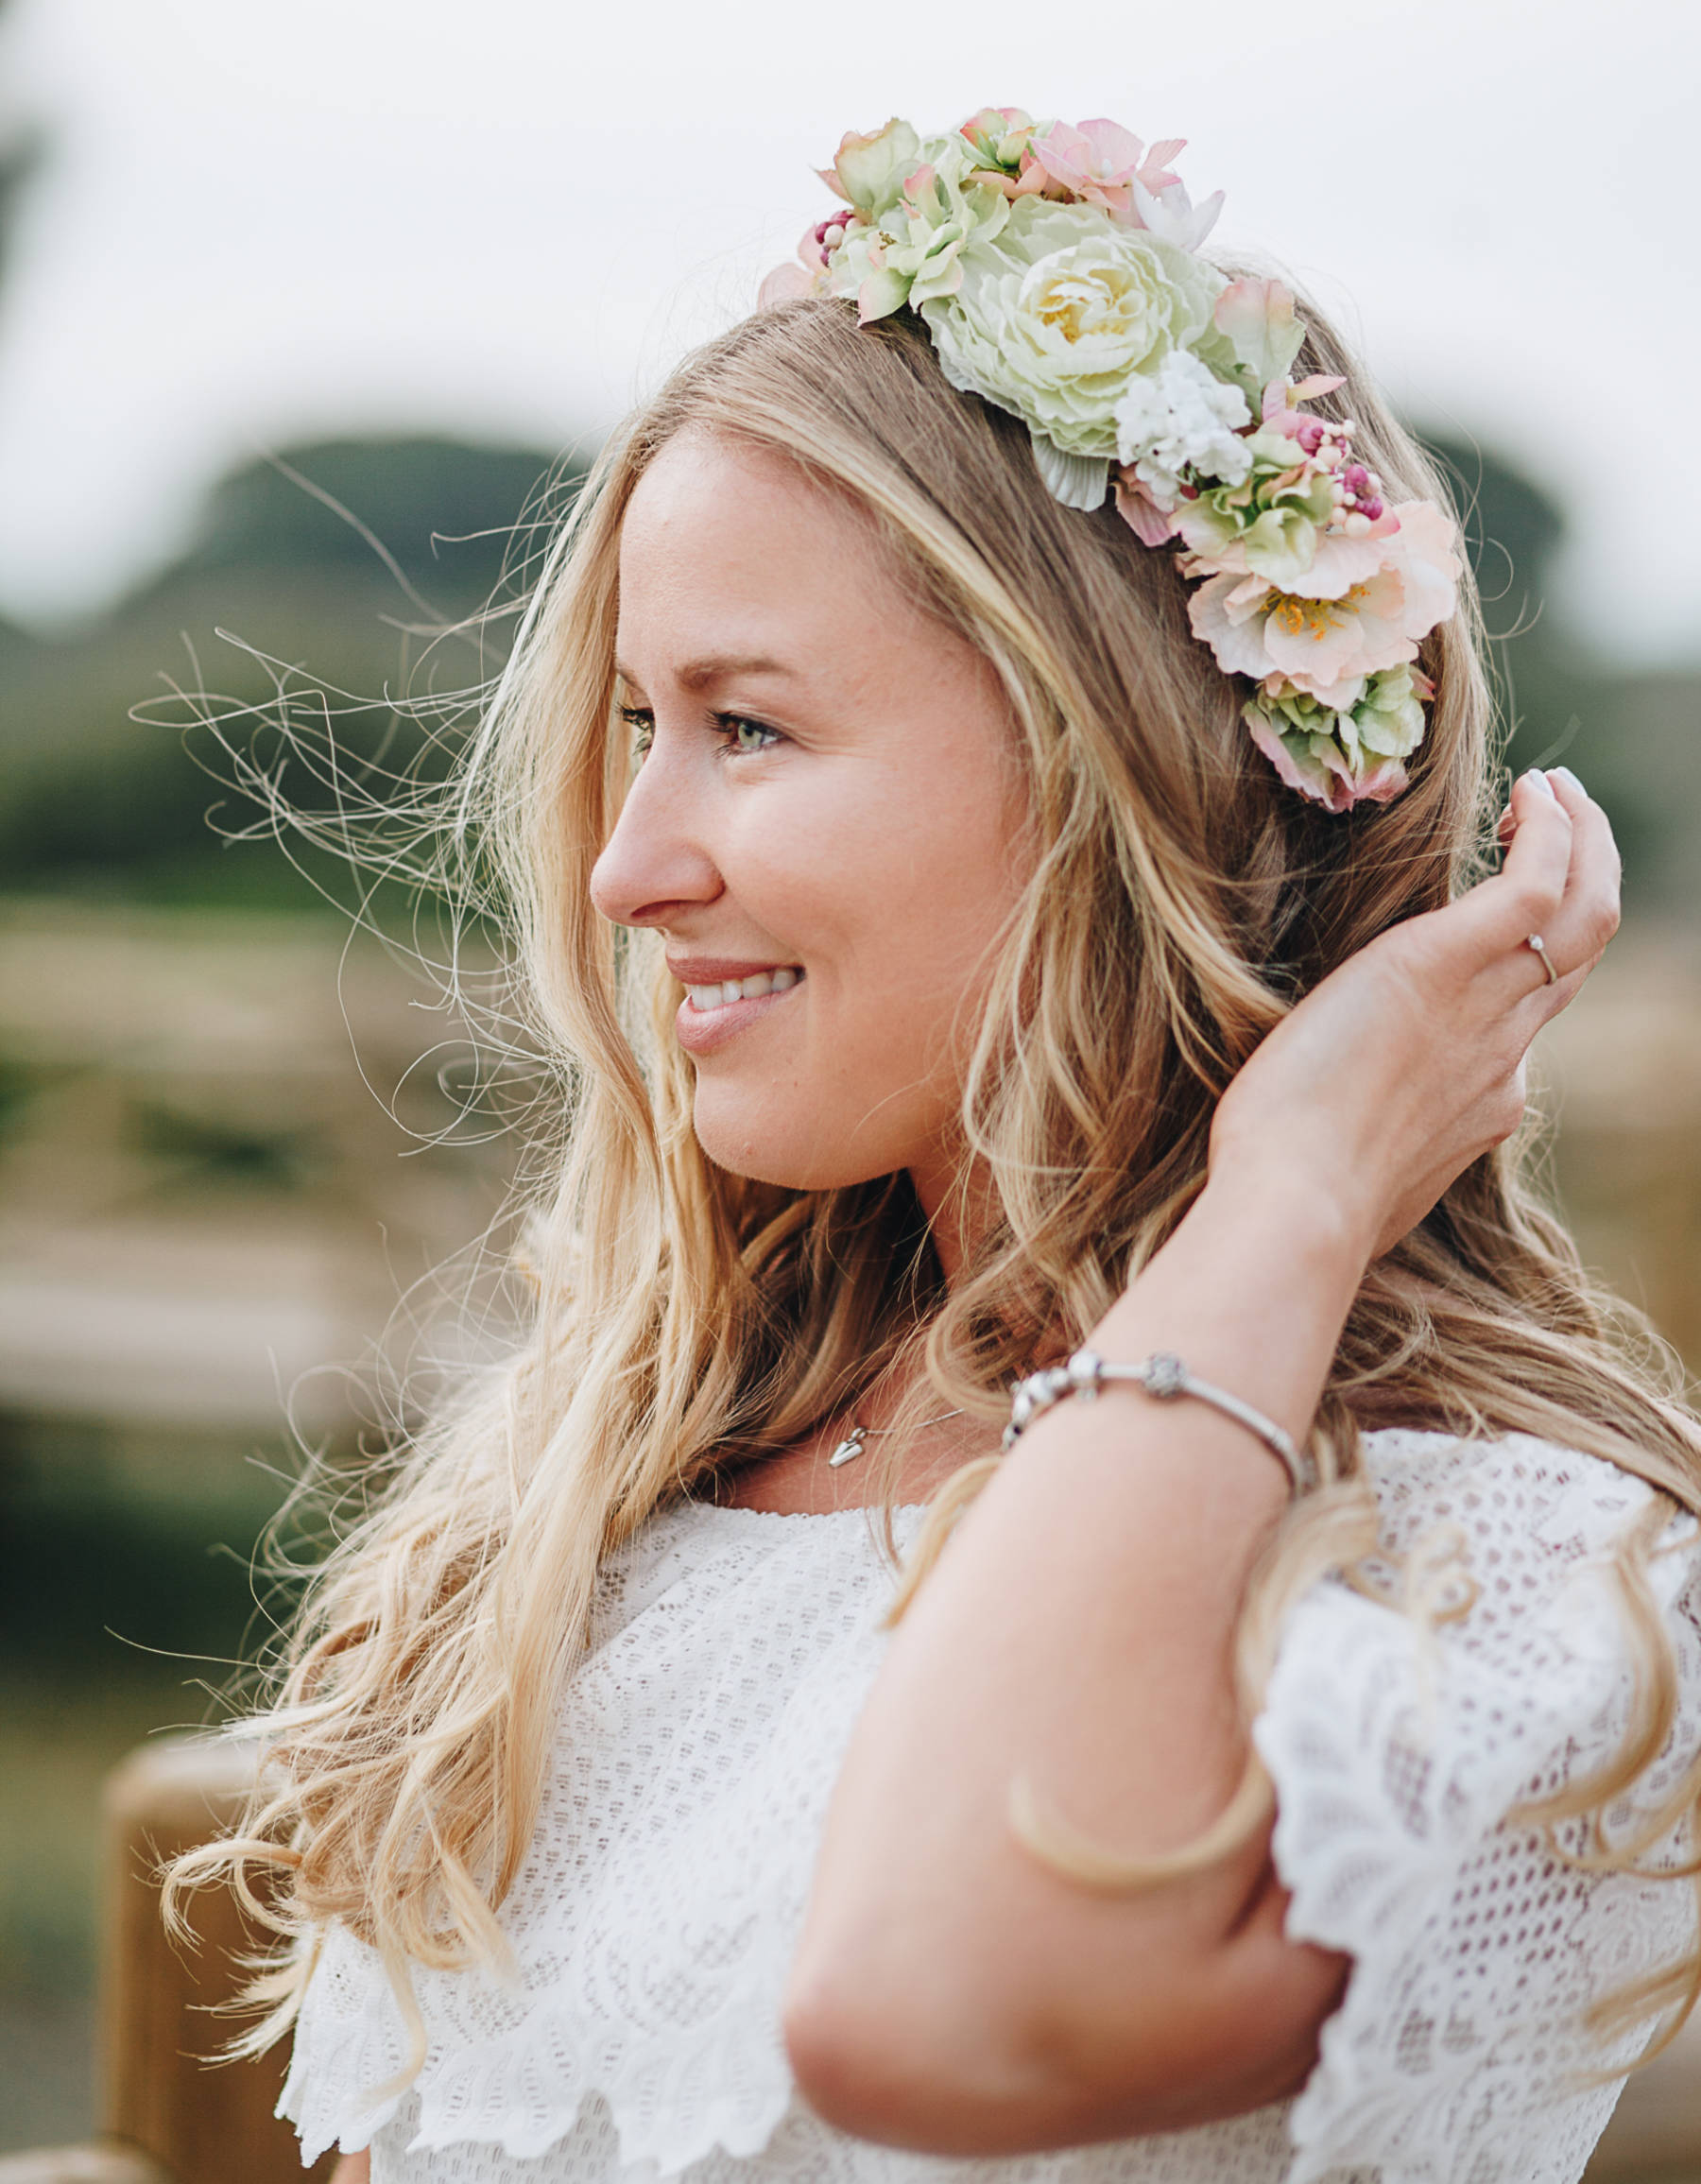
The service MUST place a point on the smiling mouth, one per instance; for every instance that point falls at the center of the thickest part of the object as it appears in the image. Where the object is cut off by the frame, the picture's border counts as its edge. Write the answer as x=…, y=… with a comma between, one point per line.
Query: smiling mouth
x=705, y=1000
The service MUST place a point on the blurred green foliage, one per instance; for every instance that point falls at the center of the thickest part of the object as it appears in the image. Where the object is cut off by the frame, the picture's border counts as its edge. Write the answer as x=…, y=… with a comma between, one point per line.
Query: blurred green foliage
x=449, y=515
x=123, y=1546
x=20, y=154
x=351, y=573
x=1630, y=736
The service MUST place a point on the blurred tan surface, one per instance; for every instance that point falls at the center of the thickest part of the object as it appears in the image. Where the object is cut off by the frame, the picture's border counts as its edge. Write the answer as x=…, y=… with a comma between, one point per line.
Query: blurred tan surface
x=207, y=1209
x=92, y=2163
x=169, y=2113
x=1655, y=2135
x=1625, y=1063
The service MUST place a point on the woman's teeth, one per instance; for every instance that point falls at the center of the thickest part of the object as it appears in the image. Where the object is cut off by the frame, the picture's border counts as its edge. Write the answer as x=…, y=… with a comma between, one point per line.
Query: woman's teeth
x=751, y=989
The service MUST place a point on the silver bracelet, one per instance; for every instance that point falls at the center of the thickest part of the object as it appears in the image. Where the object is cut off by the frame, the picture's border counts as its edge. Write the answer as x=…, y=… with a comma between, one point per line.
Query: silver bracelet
x=1161, y=1375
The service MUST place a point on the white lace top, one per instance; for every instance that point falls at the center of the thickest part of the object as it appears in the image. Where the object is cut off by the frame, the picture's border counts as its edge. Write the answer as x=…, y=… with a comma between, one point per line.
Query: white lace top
x=655, y=1918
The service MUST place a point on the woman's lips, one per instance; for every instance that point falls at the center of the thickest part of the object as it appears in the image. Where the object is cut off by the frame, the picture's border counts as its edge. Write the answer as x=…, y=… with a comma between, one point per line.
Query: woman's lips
x=706, y=1030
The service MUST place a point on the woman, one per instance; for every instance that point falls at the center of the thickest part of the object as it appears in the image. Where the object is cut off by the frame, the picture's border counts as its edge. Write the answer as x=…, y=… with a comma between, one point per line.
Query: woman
x=963, y=950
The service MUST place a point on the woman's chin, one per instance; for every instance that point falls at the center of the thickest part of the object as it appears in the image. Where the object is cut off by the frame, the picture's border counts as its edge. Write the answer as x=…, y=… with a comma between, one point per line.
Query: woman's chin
x=778, y=1153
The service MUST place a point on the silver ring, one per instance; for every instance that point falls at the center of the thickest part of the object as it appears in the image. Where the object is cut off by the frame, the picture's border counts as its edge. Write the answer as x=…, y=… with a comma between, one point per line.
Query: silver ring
x=1539, y=946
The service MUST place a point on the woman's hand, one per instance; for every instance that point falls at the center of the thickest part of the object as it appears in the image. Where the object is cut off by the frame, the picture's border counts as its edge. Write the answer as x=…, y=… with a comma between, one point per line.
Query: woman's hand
x=1407, y=1063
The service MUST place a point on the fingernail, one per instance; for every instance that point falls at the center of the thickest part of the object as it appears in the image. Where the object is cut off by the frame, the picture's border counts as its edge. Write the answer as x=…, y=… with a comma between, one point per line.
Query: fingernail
x=1538, y=779
x=1571, y=780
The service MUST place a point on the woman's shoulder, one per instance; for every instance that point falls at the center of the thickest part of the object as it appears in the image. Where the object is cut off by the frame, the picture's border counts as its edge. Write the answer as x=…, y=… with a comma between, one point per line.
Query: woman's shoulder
x=1513, y=1558
x=1436, y=1723
x=1502, y=1488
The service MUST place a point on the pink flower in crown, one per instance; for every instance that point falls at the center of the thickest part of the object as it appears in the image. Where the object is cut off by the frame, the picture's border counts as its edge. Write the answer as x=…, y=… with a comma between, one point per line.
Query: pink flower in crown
x=1367, y=602
x=1353, y=756
x=820, y=240
x=786, y=284
x=1327, y=776
x=1099, y=164
x=1000, y=136
x=801, y=275
x=1151, y=523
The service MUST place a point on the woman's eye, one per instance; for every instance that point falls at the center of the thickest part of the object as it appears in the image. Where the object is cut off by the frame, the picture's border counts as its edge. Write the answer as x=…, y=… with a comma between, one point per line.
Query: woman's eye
x=742, y=738
x=746, y=737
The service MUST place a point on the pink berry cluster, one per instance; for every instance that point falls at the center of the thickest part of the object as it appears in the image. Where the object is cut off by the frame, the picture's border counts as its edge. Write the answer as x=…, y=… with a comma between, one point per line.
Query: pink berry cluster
x=829, y=233
x=1356, y=490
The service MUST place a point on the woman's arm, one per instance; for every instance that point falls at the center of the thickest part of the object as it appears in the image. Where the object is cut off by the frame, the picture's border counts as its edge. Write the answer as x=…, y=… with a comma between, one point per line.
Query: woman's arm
x=354, y=2169
x=951, y=1993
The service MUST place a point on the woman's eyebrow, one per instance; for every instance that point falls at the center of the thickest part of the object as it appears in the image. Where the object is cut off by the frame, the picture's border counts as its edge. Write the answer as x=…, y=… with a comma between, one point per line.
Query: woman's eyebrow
x=713, y=667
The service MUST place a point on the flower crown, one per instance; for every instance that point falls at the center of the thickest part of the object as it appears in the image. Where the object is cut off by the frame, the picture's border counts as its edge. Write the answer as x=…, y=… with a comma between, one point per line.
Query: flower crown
x=1058, y=272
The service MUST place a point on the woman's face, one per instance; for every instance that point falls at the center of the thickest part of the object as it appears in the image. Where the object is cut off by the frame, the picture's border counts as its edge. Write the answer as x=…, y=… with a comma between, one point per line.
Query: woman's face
x=827, y=800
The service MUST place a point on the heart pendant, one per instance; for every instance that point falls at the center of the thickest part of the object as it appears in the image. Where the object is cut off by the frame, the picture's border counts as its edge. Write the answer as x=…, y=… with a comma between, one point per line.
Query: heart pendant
x=850, y=1446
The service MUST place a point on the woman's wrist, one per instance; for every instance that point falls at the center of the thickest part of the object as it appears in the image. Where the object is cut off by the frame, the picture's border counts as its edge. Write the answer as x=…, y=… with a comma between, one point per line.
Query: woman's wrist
x=1250, y=1292
x=1324, y=1218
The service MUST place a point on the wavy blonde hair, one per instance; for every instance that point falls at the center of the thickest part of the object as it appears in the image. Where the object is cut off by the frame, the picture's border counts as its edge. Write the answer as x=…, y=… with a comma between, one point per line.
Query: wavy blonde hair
x=685, y=1318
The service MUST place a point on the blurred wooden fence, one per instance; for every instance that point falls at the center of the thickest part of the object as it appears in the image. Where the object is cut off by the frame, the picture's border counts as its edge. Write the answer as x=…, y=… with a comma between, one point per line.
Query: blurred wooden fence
x=169, y=2114
x=201, y=1199
x=204, y=1198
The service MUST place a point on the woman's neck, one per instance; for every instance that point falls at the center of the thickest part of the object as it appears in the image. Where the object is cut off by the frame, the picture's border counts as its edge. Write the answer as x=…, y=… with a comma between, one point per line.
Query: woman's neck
x=961, y=1206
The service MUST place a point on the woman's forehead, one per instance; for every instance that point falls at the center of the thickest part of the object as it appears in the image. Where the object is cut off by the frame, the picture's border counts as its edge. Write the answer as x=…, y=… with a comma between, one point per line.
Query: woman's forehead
x=731, y=561
x=735, y=497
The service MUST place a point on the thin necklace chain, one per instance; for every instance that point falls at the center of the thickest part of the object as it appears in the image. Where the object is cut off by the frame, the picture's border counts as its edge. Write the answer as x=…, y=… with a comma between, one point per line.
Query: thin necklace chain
x=855, y=1436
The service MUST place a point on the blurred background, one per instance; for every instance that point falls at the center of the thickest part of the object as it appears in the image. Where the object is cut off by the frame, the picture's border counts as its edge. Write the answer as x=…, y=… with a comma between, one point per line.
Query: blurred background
x=299, y=308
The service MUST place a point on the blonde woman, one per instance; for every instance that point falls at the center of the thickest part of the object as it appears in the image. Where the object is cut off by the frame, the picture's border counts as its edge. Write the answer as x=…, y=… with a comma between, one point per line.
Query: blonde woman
x=956, y=970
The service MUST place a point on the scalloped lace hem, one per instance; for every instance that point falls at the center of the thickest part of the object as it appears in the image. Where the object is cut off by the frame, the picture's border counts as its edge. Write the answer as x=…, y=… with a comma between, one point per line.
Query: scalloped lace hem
x=668, y=2106
x=668, y=2109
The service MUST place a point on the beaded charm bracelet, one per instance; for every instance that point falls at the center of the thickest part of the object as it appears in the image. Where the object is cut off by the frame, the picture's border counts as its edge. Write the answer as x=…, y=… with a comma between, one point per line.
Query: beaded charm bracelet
x=1161, y=1375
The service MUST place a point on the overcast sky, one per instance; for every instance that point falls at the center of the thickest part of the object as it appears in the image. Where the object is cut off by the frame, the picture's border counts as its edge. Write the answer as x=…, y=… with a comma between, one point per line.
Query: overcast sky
x=265, y=219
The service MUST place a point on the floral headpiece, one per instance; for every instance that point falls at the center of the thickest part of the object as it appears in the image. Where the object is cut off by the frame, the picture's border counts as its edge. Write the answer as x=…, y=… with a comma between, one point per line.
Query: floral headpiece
x=1058, y=272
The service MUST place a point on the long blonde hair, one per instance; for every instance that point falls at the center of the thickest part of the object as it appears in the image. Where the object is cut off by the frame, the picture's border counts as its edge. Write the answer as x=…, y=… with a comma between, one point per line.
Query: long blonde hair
x=684, y=1317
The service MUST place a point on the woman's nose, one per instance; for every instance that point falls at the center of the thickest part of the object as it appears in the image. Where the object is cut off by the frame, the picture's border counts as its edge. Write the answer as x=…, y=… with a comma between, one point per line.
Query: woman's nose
x=656, y=856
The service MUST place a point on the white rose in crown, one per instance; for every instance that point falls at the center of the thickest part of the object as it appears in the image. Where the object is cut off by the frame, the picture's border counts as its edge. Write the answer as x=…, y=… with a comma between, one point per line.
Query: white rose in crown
x=1053, y=318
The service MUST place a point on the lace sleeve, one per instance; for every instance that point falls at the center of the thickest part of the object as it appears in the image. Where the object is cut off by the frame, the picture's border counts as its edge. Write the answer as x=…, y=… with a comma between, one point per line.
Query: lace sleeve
x=1398, y=1750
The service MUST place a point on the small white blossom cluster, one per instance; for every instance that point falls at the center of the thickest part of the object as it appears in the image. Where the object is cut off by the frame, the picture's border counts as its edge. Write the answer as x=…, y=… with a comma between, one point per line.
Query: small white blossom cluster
x=1182, y=419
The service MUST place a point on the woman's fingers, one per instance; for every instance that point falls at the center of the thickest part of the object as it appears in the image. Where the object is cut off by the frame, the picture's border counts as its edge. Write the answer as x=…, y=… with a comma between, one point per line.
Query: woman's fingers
x=1439, y=1012
x=1572, y=907
x=1588, y=915
x=1525, y=895
x=1575, y=930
